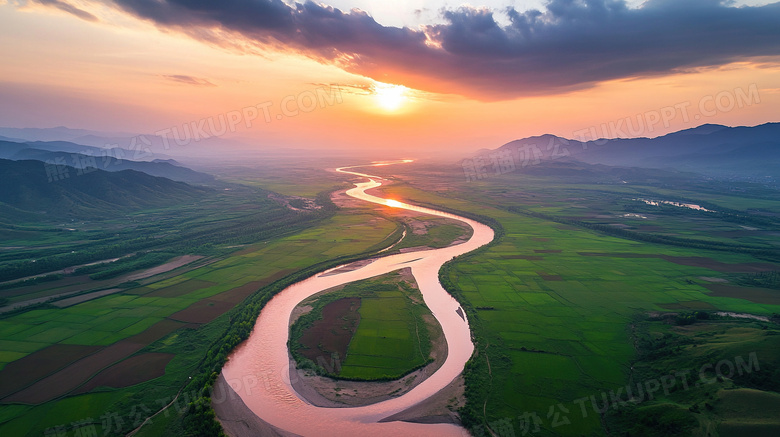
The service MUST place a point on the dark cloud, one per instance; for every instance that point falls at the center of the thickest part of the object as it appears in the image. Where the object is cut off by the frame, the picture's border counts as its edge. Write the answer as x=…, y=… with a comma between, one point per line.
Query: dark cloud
x=571, y=44
x=188, y=80
x=67, y=7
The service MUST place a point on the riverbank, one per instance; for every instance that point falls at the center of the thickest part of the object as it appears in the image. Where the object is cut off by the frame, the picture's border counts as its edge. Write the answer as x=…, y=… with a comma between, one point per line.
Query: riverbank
x=265, y=352
x=323, y=391
x=236, y=418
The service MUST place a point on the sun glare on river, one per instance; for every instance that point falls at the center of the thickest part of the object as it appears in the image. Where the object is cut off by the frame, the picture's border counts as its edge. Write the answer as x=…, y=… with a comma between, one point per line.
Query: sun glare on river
x=393, y=203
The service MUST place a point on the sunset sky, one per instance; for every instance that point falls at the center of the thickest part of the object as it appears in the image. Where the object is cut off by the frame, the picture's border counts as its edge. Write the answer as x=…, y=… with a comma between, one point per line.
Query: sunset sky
x=408, y=74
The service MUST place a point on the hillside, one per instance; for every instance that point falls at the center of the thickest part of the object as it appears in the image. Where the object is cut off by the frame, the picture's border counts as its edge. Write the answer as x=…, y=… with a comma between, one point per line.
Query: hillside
x=34, y=187
x=115, y=159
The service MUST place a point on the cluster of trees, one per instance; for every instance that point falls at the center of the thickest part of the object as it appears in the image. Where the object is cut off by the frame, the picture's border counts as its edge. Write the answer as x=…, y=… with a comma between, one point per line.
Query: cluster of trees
x=683, y=319
x=31, y=281
x=48, y=263
x=761, y=279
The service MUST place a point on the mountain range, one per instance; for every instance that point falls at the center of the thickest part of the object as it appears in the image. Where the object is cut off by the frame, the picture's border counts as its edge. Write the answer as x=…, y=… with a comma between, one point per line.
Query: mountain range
x=749, y=153
x=112, y=159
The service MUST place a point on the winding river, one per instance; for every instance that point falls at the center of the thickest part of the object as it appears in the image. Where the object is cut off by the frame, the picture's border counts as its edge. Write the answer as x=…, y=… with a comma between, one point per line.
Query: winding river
x=259, y=369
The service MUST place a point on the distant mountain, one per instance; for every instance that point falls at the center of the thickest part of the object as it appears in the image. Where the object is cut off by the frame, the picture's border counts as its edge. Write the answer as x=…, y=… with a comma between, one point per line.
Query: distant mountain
x=15, y=140
x=60, y=191
x=71, y=147
x=172, y=144
x=713, y=150
x=169, y=161
x=80, y=157
x=112, y=164
x=60, y=133
x=704, y=129
x=81, y=140
x=178, y=141
x=67, y=146
x=10, y=148
x=154, y=142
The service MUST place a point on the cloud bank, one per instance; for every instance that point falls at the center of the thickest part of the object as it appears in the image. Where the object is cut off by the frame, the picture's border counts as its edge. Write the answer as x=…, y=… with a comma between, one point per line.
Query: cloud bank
x=571, y=44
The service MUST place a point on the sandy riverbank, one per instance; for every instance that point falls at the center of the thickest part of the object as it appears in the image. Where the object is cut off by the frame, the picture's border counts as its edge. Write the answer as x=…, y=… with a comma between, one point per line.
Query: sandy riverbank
x=236, y=418
x=327, y=392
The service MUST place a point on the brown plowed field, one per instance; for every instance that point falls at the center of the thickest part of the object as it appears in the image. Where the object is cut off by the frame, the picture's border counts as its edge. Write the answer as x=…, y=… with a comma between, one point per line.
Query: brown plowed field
x=202, y=311
x=333, y=332
x=134, y=370
x=754, y=294
x=26, y=370
x=66, y=380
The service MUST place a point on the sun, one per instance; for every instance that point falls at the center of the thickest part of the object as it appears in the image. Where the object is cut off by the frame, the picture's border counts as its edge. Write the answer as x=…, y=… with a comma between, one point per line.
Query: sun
x=389, y=97
x=393, y=203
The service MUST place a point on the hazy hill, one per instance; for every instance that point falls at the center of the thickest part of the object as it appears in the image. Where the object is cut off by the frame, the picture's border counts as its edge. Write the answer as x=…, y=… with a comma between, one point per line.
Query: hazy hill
x=713, y=150
x=60, y=133
x=79, y=156
x=31, y=186
x=10, y=148
x=67, y=146
x=174, y=141
x=169, y=161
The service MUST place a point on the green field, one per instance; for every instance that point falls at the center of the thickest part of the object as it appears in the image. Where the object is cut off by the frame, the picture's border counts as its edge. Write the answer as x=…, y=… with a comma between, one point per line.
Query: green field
x=553, y=321
x=393, y=335
x=559, y=304
x=182, y=313
x=391, y=340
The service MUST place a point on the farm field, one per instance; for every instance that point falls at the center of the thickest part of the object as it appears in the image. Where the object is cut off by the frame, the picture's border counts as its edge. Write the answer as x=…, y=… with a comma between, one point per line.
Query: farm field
x=378, y=328
x=110, y=362
x=560, y=306
x=49, y=253
x=552, y=304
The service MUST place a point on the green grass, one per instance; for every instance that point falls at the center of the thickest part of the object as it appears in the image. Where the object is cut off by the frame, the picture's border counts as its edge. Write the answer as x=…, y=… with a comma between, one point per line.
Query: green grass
x=386, y=343
x=392, y=337
x=105, y=320
x=551, y=342
x=748, y=412
x=111, y=318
